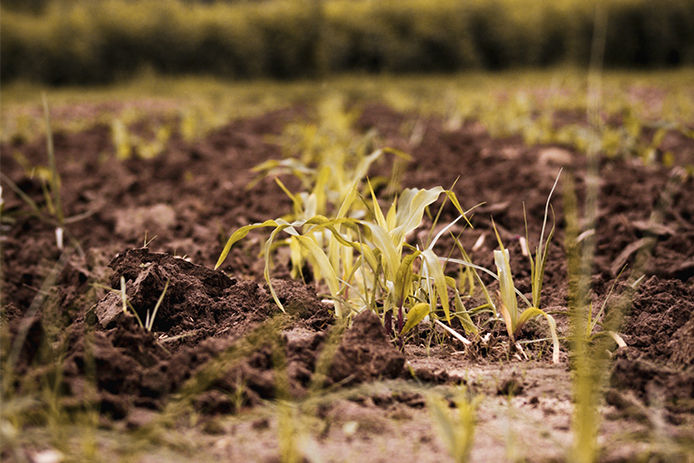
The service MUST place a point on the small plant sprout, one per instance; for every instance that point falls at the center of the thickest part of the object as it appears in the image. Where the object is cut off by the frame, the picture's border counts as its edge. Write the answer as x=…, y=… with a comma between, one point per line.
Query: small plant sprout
x=125, y=303
x=149, y=320
x=53, y=199
x=52, y=213
x=128, y=307
x=594, y=321
x=537, y=266
x=508, y=302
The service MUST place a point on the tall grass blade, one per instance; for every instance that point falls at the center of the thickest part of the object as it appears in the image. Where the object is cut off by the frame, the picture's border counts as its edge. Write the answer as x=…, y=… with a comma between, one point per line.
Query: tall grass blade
x=55, y=178
x=156, y=307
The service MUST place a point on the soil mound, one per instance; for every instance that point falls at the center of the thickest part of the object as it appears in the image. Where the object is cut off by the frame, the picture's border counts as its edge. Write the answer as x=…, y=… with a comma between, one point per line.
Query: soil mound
x=660, y=323
x=216, y=340
x=366, y=353
x=197, y=299
x=658, y=363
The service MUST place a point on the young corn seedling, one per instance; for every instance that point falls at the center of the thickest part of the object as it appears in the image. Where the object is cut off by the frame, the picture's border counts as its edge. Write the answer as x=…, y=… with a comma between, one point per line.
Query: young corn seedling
x=128, y=144
x=368, y=263
x=400, y=282
x=307, y=240
x=329, y=180
x=595, y=321
x=513, y=317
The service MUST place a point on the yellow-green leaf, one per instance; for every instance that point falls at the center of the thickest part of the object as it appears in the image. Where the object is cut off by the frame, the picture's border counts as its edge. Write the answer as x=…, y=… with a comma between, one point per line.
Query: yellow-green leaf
x=415, y=315
x=436, y=272
x=239, y=235
x=533, y=312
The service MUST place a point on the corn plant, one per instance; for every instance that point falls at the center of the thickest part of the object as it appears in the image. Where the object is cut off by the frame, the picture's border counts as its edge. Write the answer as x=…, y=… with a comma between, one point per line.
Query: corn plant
x=508, y=304
x=128, y=143
x=513, y=317
x=326, y=157
x=368, y=264
x=327, y=183
x=537, y=265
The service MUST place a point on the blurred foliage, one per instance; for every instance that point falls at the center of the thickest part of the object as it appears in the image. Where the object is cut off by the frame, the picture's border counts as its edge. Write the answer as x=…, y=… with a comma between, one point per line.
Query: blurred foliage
x=62, y=42
x=642, y=111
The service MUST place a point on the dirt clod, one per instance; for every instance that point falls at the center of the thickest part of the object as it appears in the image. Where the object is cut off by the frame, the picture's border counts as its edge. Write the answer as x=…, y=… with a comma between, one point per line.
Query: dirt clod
x=366, y=353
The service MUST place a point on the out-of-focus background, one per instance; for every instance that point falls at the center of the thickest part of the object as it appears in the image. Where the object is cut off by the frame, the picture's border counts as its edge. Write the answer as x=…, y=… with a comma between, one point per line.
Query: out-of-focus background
x=61, y=42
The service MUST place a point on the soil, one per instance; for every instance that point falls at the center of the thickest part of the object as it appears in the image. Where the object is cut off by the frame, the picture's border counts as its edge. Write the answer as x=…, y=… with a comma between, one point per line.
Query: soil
x=219, y=345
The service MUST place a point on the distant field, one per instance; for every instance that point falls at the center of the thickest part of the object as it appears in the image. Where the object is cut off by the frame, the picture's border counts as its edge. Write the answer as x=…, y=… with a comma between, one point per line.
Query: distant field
x=506, y=103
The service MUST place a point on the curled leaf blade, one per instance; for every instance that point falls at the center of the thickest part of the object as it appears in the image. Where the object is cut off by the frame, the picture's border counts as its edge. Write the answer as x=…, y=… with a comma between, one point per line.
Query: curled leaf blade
x=415, y=316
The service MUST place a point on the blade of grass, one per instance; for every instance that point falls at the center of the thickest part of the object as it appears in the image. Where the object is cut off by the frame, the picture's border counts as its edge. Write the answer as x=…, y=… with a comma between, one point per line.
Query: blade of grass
x=157, y=305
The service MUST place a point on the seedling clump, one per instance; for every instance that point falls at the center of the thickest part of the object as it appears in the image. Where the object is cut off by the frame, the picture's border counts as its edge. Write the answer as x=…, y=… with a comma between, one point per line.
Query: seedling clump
x=362, y=257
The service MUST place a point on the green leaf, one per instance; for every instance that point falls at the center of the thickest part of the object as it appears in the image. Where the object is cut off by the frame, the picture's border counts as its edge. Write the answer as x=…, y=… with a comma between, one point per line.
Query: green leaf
x=398, y=153
x=296, y=200
x=325, y=270
x=363, y=167
x=384, y=243
x=411, y=206
x=403, y=277
x=55, y=177
x=538, y=270
x=444, y=423
x=150, y=323
x=378, y=214
x=464, y=315
x=268, y=262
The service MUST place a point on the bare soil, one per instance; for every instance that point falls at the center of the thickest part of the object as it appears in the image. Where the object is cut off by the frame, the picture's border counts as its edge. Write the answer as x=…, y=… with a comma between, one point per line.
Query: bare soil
x=220, y=347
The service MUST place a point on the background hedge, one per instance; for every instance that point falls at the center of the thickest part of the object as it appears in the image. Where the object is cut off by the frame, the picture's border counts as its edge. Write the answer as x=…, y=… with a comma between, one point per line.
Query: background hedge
x=101, y=41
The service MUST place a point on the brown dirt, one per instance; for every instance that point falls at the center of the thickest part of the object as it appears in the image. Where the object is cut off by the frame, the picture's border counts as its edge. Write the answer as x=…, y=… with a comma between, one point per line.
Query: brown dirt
x=215, y=338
